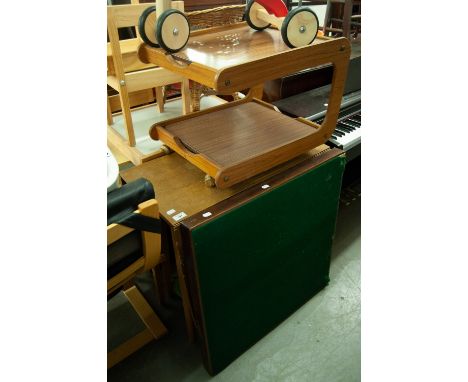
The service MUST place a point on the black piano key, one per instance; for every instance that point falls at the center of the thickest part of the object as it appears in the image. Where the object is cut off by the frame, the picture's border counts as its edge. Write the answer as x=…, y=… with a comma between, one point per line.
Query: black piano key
x=355, y=121
x=335, y=138
x=347, y=124
x=339, y=133
x=344, y=128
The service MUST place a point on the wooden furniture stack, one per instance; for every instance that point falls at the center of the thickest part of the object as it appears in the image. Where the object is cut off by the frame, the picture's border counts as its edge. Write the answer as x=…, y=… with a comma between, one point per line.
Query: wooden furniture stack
x=235, y=57
x=128, y=75
x=272, y=173
x=241, y=226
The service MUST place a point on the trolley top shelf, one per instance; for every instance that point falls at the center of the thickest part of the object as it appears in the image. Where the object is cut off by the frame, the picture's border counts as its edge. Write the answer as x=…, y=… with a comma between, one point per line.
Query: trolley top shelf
x=236, y=57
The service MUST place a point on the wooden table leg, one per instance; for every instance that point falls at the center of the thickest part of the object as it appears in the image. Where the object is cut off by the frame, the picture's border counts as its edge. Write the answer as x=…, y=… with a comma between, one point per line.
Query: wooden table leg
x=110, y=120
x=177, y=243
x=186, y=102
x=159, y=98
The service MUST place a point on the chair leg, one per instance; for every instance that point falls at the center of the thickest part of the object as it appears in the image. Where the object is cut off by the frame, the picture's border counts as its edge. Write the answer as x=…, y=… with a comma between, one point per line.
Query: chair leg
x=129, y=347
x=146, y=313
x=185, y=90
x=195, y=95
x=162, y=281
x=154, y=328
x=127, y=115
x=110, y=120
x=160, y=98
x=326, y=20
x=347, y=11
x=157, y=286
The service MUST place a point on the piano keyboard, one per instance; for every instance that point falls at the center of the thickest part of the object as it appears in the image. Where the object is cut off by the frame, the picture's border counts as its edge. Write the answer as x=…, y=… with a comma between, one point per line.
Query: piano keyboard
x=348, y=128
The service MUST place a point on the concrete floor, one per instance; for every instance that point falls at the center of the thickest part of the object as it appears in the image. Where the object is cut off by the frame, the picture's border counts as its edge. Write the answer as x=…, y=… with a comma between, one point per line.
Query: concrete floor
x=320, y=342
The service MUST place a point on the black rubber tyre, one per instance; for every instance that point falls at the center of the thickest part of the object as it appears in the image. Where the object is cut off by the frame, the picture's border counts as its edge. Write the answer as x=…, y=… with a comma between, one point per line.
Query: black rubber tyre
x=287, y=20
x=159, y=30
x=141, y=26
x=248, y=19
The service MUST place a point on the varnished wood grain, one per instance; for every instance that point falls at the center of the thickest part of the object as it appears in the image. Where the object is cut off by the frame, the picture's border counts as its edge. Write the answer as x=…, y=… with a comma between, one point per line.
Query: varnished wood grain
x=138, y=98
x=235, y=134
x=212, y=51
x=240, y=140
x=130, y=60
x=114, y=139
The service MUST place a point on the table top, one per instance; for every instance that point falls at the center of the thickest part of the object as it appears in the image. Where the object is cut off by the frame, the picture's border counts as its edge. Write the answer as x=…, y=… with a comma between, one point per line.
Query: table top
x=236, y=57
x=180, y=187
x=235, y=134
x=234, y=46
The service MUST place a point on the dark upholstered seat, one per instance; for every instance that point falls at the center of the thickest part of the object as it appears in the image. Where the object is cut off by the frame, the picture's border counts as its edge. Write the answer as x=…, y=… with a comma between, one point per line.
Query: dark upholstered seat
x=133, y=246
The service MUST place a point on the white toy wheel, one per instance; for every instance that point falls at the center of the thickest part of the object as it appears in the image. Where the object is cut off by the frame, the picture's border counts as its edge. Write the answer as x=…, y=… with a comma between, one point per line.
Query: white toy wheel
x=146, y=25
x=251, y=16
x=299, y=27
x=172, y=30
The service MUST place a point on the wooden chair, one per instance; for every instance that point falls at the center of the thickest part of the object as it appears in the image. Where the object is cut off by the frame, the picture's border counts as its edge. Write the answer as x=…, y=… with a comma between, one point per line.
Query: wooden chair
x=131, y=252
x=343, y=18
x=128, y=75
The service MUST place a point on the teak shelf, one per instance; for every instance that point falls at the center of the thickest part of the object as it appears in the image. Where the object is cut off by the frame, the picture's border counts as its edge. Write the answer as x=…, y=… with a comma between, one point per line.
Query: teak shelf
x=235, y=141
x=236, y=57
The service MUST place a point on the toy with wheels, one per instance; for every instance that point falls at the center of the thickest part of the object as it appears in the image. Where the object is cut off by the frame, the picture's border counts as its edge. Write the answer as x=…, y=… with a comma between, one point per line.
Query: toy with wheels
x=171, y=29
x=163, y=26
x=298, y=27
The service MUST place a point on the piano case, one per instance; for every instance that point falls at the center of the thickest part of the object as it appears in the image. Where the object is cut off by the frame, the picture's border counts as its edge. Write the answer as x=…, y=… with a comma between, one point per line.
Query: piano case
x=256, y=257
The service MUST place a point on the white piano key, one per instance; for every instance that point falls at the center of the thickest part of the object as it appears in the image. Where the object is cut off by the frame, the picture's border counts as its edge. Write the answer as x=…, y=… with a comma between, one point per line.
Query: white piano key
x=349, y=140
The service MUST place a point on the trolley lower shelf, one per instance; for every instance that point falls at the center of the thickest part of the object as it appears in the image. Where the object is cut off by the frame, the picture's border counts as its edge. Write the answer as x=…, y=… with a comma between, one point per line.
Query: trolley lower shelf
x=236, y=141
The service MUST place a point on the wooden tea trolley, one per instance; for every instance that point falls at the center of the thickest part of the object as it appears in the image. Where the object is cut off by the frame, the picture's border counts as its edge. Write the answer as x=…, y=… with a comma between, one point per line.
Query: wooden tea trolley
x=237, y=140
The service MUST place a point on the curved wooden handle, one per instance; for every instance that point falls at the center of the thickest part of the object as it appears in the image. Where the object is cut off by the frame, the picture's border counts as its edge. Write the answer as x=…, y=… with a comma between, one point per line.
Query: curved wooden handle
x=153, y=133
x=183, y=146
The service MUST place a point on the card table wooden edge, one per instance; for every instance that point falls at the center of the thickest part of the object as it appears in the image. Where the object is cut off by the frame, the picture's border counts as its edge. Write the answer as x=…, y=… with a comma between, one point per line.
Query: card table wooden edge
x=252, y=191
x=179, y=185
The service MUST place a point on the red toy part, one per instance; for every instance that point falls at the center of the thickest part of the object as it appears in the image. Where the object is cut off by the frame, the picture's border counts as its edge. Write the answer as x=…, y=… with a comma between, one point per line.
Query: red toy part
x=276, y=7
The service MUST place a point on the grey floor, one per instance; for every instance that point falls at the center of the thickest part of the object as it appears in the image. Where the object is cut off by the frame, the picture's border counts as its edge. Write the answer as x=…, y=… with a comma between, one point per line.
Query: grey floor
x=319, y=342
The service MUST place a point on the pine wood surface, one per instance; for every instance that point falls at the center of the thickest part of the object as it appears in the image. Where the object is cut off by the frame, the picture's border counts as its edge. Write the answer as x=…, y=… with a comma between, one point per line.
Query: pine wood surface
x=121, y=59
x=131, y=62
